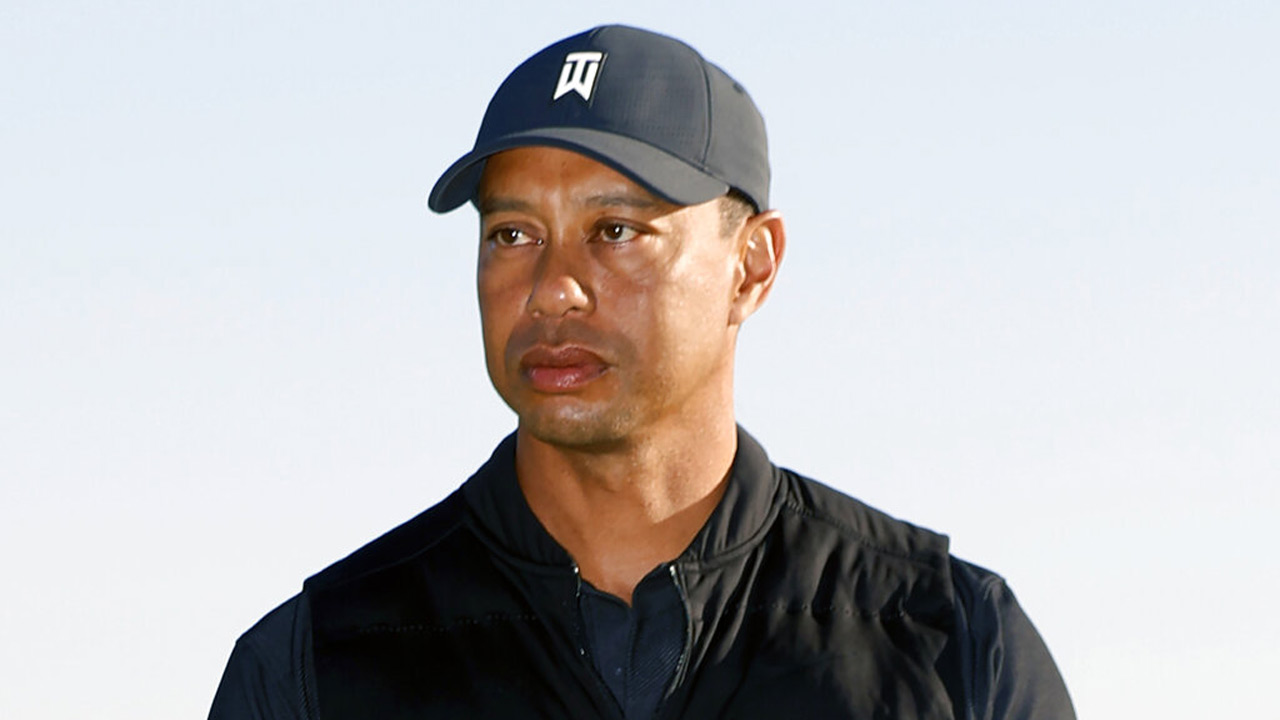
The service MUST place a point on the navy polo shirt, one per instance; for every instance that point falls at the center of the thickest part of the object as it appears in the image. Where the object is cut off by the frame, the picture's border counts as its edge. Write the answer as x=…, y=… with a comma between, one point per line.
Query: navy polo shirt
x=636, y=649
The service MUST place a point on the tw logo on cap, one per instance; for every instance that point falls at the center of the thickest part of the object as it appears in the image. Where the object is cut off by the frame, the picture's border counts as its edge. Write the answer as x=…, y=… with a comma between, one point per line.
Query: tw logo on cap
x=579, y=74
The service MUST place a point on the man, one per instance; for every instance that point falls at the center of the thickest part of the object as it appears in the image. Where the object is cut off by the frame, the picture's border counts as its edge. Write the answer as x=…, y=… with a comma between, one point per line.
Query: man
x=630, y=552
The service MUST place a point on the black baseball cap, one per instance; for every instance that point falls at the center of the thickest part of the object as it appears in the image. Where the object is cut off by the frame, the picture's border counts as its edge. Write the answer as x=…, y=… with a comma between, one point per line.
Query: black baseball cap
x=645, y=104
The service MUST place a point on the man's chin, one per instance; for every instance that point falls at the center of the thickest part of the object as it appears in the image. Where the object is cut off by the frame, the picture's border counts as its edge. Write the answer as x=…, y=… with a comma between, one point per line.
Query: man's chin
x=574, y=428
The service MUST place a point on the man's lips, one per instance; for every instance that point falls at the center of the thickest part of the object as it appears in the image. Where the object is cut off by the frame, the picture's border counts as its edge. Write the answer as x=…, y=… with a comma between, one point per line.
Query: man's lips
x=560, y=369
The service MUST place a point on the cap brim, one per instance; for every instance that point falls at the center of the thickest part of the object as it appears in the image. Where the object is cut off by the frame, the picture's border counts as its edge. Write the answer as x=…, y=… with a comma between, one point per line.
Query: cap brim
x=663, y=174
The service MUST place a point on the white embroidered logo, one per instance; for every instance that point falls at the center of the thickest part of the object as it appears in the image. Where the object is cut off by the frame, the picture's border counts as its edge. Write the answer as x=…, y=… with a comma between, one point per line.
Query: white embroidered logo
x=579, y=74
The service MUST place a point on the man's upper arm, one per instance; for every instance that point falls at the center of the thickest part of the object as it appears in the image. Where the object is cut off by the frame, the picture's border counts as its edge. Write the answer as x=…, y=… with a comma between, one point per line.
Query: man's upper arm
x=264, y=679
x=1011, y=675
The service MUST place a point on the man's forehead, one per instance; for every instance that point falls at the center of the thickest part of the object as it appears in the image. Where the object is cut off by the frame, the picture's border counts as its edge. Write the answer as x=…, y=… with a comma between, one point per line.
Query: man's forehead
x=512, y=178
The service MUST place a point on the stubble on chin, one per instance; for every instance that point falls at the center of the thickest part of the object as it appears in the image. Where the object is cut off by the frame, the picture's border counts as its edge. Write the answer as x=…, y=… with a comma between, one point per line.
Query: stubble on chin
x=577, y=428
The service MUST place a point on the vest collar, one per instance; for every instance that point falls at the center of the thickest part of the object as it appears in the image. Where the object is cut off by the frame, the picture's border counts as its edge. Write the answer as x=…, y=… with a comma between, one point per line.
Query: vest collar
x=503, y=516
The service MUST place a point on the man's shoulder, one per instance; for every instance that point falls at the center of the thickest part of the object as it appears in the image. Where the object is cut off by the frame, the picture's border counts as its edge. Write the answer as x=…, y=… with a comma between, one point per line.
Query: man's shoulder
x=271, y=638
x=976, y=588
x=403, y=542
x=270, y=672
x=266, y=675
x=874, y=530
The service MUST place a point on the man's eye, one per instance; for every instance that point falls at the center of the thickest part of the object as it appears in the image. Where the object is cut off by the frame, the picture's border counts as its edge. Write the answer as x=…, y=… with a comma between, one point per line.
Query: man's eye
x=512, y=236
x=617, y=233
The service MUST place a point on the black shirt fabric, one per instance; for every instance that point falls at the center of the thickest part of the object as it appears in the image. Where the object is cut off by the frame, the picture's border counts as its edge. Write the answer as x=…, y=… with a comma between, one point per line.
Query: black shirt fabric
x=1003, y=669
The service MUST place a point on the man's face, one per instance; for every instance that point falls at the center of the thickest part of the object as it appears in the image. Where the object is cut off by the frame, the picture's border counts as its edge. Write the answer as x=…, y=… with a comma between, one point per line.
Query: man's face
x=606, y=312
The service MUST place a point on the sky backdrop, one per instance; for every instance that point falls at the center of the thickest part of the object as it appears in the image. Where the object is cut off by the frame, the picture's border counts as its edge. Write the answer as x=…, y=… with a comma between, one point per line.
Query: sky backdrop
x=1031, y=299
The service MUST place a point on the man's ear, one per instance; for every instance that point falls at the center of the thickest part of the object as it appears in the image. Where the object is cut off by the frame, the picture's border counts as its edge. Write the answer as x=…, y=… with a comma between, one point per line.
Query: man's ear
x=763, y=239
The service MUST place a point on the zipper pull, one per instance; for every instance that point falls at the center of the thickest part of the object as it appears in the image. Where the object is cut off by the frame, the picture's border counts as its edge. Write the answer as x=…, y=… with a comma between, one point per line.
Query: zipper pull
x=577, y=609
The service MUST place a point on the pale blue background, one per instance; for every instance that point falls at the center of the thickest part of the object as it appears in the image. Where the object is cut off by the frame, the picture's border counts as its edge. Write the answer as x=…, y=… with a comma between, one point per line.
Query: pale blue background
x=1031, y=299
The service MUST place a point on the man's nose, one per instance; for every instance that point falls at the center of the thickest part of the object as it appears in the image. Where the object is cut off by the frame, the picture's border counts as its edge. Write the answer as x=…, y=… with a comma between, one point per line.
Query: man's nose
x=558, y=284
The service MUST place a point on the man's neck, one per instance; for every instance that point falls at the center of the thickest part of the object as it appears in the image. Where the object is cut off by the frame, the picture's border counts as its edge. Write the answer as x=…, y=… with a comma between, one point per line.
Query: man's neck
x=622, y=513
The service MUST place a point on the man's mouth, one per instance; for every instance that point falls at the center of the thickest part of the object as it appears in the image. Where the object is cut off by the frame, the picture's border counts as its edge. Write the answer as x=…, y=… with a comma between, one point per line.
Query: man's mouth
x=561, y=369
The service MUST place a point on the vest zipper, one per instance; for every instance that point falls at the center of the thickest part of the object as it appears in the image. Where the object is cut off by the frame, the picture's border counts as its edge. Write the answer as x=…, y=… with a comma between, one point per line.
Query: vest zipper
x=580, y=636
x=687, y=650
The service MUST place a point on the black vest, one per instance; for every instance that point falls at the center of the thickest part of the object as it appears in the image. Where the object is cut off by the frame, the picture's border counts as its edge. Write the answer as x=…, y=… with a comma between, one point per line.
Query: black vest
x=801, y=602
